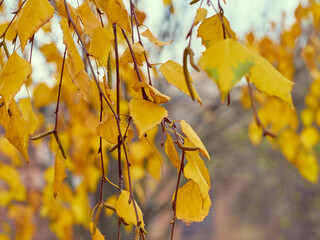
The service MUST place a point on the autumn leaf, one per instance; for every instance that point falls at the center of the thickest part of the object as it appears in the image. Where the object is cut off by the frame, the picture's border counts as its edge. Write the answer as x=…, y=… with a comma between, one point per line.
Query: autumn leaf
x=193, y=138
x=147, y=33
x=171, y=151
x=89, y=21
x=12, y=76
x=59, y=175
x=190, y=205
x=211, y=30
x=146, y=115
x=125, y=210
x=17, y=134
x=226, y=62
x=173, y=73
x=138, y=51
x=28, y=114
x=101, y=43
x=108, y=129
x=157, y=96
x=307, y=165
x=33, y=15
x=200, y=16
x=97, y=235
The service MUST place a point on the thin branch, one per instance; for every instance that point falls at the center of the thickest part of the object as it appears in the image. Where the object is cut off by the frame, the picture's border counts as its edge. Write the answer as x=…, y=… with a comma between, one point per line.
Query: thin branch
x=174, y=203
x=101, y=153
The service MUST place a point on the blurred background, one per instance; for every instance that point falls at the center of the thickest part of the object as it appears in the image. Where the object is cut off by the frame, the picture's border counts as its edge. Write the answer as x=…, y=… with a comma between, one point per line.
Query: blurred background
x=256, y=193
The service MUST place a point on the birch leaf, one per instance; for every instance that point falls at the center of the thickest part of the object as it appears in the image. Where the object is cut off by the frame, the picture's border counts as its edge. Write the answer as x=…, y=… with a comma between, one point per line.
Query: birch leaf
x=147, y=33
x=138, y=51
x=33, y=15
x=157, y=96
x=191, y=206
x=173, y=73
x=171, y=151
x=108, y=129
x=12, y=76
x=89, y=21
x=101, y=43
x=59, y=175
x=97, y=235
x=28, y=114
x=146, y=115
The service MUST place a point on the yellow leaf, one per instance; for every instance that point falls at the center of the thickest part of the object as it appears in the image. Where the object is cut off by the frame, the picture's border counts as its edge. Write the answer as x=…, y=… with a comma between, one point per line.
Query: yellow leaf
x=12, y=76
x=173, y=73
x=73, y=12
x=138, y=51
x=117, y=13
x=211, y=30
x=147, y=33
x=190, y=205
x=289, y=143
x=255, y=133
x=11, y=32
x=108, y=129
x=193, y=138
x=269, y=80
x=97, y=235
x=89, y=21
x=201, y=15
x=146, y=115
x=33, y=15
x=157, y=96
x=307, y=117
x=81, y=80
x=42, y=95
x=226, y=62
x=171, y=151
x=126, y=211
x=111, y=201
x=59, y=175
x=17, y=134
x=307, y=165
x=309, y=137
x=101, y=43
x=28, y=114
x=196, y=170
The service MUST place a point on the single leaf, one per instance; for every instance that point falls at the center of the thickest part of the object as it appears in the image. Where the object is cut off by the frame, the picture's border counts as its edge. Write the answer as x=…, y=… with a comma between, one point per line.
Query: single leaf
x=33, y=15
x=59, y=175
x=73, y=13
x=269, y=80
x=108, y=129
x=17, y=134
x=147, y=33
x=101, y=43
x=193, y=138
x=42, y=95
x=307, y=165
x=157, y=96
x=211, y=30
x=226, y=62
x=138, y=51
x=173, y=73
x=171, y=151
x=117, y=13
x=89, y=21
x=12, y=76
x=190, y=205
x=289, y=143
x=97, y=235
x=82, y=81
x=28, y=114
x=126, y=211
x=146, y=115
x=309, y=137
x=201, y=15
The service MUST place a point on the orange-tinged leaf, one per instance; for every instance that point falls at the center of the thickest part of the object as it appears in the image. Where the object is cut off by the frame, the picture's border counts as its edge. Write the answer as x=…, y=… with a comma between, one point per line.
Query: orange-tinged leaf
x=173, y=73
x=226, y=62
x=193, y=138
x=33, y=15
x=59, y=175
x=12, y=76
x=147, y=33
x=11, y=32
x=17, y=134
x=201, y=15
x=171, y=151
x=138, y=51
x=89, y=21
x=117, y=13
x=97, y=235
x=146, y=115
x=269, y=80
x=126, y=211
x=28, y=114
x=211, y=30
x=157, y=96
x=101, y=43
x=108, y=129
x=190, y=205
